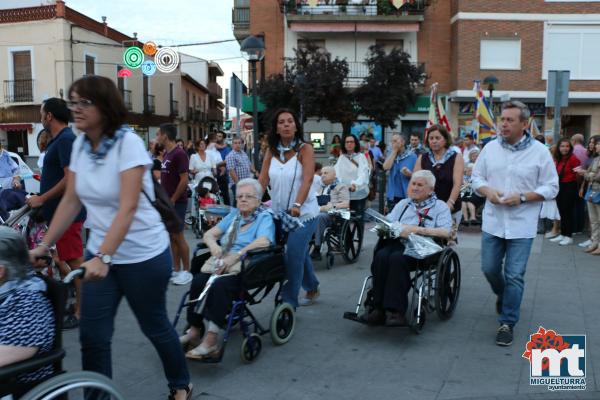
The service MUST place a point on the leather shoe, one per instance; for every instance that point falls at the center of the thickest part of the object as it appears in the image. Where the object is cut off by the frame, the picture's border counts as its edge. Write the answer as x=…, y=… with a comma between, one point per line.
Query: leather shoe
x=376, y=317
x=395, y=319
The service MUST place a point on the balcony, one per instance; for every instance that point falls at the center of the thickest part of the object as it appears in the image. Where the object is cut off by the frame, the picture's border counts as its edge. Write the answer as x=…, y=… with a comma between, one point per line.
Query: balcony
x=362, y=13
x=215, y=90
x=174, y=108
x=199, y=115
x=215, y=115
x=190, y=113
x=149, y=104
x=19, y=91
x=240, y=18
x=126, y=94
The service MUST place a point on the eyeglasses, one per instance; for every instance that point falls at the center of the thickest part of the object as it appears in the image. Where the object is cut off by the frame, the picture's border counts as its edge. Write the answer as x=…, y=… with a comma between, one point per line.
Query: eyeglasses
x=82, y=104
x=245, y=196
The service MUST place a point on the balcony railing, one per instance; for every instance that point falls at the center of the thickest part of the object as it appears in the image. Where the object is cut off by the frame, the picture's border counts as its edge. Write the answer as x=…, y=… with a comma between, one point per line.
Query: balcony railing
x=353, y=7
x=215, y=89
x=150, y=105
x=190, y=113
x=19, y=91
x=174, y=108
x=126, y=94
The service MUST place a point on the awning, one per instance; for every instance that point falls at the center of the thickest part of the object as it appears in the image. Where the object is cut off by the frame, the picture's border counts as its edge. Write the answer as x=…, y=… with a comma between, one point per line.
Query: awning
x=421, y=105
x=16, y=127
x=377, y=27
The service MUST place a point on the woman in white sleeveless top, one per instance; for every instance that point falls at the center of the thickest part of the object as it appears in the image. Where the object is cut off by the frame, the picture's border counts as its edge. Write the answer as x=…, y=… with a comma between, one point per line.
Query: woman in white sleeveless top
x=288, y=168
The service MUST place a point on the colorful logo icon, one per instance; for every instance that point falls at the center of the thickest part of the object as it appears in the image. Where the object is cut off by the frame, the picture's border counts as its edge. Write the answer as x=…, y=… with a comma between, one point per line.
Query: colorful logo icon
x=133, y=57
x=124, y=73
x=150, y=48
x=557, y=361
x=148, y=67
x=166, y=59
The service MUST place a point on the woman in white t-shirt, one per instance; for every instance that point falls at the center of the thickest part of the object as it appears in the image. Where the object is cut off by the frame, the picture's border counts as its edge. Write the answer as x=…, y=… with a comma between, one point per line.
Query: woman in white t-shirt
x=203, y=163
x=128, y=248
x=352, y=169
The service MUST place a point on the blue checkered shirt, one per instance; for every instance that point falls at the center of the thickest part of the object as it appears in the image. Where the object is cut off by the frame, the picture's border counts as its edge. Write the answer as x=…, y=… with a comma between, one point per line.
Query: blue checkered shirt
x=239, y=162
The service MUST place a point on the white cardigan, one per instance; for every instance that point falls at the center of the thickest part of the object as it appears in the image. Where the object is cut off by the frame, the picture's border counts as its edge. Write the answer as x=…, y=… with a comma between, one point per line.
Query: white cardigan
x=348, y=173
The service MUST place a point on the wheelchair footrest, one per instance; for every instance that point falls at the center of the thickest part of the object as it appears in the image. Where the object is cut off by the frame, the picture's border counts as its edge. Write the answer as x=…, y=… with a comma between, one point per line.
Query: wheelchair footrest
x=352, y=316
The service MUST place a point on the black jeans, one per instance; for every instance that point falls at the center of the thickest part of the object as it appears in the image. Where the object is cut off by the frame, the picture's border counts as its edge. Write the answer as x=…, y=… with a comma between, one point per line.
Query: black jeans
x=391, y=277
x=218, y=299
x=223, y=183
x=567, y=196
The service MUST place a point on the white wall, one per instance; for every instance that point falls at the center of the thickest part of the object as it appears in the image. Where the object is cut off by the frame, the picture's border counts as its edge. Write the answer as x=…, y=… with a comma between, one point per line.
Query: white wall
x=195, y=67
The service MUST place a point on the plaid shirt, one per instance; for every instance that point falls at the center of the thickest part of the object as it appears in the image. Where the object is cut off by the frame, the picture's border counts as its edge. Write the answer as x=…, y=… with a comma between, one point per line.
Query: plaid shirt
x=239, y=162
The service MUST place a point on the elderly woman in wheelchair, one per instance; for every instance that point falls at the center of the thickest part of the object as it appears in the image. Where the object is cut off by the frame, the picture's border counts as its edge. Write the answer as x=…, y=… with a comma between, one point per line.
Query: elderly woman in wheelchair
x=26, y=314
x=246, y=228
x=422, y=214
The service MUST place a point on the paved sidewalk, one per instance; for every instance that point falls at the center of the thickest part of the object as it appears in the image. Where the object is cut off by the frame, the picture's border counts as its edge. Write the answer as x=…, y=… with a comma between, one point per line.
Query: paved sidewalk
x=332, y=358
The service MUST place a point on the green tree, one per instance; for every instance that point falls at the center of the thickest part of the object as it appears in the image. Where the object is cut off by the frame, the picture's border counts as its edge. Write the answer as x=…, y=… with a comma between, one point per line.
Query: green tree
x=390, y=88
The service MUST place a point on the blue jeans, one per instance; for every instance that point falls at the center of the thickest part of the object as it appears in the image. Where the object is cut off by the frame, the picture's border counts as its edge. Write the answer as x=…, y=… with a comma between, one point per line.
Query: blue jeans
x=300, y=270
x=507, y=284
x=144, y=285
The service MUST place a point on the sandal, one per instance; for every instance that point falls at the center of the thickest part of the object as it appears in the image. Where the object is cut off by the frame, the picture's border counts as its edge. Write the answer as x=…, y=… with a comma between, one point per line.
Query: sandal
x=188, y=392
x=203, y=353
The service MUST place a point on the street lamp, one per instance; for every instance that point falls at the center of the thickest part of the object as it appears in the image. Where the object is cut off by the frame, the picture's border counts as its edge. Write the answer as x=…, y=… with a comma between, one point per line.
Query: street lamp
x=491, y=82
x=253, y=50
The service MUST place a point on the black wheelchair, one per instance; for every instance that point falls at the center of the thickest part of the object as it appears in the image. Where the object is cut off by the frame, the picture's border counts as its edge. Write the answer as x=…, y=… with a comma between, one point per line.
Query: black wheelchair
x=262, y=271
x=435, y=287
x=61, y=383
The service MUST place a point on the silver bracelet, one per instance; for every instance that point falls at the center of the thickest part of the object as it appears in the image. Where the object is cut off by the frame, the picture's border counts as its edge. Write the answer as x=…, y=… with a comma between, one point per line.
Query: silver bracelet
x=298, y=205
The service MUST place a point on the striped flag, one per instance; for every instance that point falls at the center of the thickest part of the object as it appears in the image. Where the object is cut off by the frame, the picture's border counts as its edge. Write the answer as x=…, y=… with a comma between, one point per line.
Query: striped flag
x=486, y=125
x=437, y=114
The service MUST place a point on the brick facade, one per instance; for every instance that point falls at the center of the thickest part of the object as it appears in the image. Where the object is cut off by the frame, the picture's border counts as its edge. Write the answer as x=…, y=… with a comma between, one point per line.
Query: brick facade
x=529, y=6
x=434, y=44
x=266, y=20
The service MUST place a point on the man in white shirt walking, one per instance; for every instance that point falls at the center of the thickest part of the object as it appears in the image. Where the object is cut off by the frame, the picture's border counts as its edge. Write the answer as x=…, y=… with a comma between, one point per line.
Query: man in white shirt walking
x=515, y=173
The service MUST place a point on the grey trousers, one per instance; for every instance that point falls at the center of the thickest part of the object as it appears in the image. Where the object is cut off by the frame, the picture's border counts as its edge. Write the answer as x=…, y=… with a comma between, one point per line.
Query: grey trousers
x=323, y=221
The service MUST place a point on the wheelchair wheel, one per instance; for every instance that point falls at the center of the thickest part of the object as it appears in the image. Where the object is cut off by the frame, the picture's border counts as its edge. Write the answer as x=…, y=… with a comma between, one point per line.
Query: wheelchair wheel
x=447, y=286
x=251, y=347
x=351, y=238
x=283, y=322
x=64, y=383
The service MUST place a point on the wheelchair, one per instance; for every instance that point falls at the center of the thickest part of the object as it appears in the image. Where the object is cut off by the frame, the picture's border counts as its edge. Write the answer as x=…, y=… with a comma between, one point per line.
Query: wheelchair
x=435, y=287
x=262, y=271
x=197, y=218
x=343, y=237
x=57, y=386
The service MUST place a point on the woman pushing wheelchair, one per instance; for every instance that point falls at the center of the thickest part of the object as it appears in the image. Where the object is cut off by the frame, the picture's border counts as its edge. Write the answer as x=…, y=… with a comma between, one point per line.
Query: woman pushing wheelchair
x=422, y=214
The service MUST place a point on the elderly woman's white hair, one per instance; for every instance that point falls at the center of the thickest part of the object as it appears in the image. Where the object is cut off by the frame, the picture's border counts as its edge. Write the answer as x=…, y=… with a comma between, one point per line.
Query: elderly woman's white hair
x=329, y=168
x=14, y=255
x=427, y=175
x=258, y=189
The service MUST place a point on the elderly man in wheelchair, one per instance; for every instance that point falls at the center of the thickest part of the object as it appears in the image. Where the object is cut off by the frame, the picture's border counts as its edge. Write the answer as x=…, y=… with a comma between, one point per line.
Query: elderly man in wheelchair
x=421, y=214
x=332, y=195
x=246, y=228
x=12, y=193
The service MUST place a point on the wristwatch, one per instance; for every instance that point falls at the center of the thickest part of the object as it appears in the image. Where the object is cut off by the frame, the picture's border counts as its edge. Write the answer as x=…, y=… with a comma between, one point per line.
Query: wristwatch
x=523, y=198
x=105, y=258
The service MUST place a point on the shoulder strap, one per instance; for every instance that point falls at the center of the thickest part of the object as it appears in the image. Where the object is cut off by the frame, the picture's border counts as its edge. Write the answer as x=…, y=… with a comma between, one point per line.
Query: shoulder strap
x=403, y=211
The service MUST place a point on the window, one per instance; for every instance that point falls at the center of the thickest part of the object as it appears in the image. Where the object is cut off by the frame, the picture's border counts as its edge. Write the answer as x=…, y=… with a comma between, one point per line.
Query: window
x=388, y=45
x=575, y=48
x=500, y=54
x=90, y=65
x=20, y=89
x=318, y=141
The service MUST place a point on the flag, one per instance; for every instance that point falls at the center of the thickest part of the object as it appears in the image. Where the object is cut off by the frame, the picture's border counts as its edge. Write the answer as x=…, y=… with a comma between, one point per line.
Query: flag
x=437, y=114
x=399, y=3
x=533, y=128
x=486, y=125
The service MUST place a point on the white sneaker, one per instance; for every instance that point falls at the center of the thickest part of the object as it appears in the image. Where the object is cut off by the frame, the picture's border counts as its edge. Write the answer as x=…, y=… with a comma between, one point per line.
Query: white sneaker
x=174, y=276
x=557, y=239
x=550, y=235
x=585, y=244
x=183, y=278
x=566, y=241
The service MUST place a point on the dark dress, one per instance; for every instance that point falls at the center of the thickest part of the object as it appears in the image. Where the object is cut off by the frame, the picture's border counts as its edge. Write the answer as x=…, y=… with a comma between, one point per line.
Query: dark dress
x=444, y=178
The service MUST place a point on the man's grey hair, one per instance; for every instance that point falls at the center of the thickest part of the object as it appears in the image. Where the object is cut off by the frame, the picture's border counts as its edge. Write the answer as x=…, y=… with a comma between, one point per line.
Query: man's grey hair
x=14, y=255
x=258, y=189
x=577, y=138
x=427, y=175
x=525, y=113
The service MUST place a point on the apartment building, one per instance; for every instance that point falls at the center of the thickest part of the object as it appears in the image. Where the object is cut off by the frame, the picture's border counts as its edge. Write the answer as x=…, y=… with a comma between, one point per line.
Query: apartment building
x=50, y=46
x=346, y=29
x=518, y=43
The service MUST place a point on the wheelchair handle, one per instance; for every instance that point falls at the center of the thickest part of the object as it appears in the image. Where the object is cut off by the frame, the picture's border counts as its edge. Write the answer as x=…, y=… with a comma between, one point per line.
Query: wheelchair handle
x=78, y=273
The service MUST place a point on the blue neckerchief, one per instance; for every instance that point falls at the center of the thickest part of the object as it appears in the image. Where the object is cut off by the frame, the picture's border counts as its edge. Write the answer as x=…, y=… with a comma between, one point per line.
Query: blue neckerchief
x=447, y=155
x=331, y=186
x=524, y=143
x=404, y=155
x=281, y=149
x=427, y=203
x=105, y=144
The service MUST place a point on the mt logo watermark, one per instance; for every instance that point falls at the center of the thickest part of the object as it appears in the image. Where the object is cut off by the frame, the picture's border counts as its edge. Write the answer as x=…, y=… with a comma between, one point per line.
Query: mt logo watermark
x=557, y=361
